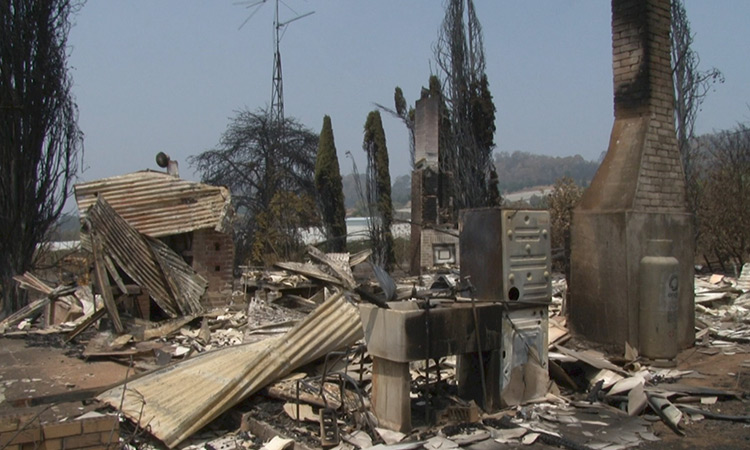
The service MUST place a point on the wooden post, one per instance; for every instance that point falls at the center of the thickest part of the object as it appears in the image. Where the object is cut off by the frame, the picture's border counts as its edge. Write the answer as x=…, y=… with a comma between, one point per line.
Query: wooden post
x=102, y=282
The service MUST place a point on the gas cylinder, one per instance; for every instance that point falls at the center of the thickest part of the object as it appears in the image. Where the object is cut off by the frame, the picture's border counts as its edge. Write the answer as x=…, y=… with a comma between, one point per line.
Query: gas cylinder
x=659, y=301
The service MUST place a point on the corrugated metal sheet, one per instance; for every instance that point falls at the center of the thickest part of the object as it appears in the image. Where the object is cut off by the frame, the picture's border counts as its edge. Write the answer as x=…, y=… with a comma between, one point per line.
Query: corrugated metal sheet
x=187, y=285
x=177, y=401
x=157, y=204
x=148, y=262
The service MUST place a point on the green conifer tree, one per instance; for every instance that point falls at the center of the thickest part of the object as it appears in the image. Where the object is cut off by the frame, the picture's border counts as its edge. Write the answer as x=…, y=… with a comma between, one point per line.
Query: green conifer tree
x=379, y=191
x=330, y=190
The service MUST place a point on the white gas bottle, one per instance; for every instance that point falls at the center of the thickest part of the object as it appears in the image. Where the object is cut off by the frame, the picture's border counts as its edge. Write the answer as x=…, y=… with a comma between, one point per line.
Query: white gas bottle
x=659, y=301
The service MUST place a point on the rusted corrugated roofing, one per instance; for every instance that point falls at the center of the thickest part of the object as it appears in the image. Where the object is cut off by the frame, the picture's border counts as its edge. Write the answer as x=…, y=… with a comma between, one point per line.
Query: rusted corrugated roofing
x=158, y=204
x=173, y=285
x=177, y=401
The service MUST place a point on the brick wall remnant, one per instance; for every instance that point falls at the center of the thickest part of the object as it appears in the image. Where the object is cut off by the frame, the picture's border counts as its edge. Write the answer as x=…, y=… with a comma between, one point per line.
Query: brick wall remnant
x=428, y=190
x=638, y=193
x=19, y=431
x=213, y=258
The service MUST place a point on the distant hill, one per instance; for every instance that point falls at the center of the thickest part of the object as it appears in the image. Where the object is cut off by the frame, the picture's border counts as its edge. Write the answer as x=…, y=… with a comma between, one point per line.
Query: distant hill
x=400, y=192
x=516, y=171
x=521, y=170
x=68, y=228
x=351, y=198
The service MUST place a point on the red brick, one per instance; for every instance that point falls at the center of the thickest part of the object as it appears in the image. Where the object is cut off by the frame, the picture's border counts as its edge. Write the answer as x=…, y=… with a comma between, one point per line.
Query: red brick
x=62, y=429
x=8, y=424
x=110, y=439
x=51, y=444
x=80, y=441
x=97, y=424
x=12, y=422
x=21, y=437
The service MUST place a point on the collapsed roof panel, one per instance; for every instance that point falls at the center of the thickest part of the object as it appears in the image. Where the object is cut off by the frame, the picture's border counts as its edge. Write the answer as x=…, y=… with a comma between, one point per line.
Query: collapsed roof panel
x=176, y=401
x=183, y=280
x=173, y=285
x=158, y=204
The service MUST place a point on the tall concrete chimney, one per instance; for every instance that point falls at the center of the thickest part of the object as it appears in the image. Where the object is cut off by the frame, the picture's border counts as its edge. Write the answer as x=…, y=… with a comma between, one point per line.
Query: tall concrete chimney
x=638, y=193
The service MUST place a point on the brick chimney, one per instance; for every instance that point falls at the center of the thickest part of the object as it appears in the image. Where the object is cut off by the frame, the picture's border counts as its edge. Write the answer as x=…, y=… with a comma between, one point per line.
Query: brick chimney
x=434, y=238
x=638, y=193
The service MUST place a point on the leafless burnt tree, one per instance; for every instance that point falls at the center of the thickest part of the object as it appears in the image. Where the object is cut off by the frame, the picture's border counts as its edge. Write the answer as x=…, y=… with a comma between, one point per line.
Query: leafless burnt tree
x=40, y=142
x=270, y=172
x=724, y=206
x=691, y=85
x=459, y=53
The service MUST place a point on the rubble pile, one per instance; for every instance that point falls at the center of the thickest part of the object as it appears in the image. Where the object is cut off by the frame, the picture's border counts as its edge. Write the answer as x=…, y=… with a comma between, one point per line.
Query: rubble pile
x=285, y=364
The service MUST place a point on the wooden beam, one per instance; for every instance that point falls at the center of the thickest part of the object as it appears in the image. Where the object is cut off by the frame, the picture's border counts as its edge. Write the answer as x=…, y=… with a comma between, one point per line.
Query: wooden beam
x=102, y=282
x=113, y=273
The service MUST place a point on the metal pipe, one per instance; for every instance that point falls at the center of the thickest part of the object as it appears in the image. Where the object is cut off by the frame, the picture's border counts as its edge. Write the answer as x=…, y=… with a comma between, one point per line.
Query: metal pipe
x=479, y=346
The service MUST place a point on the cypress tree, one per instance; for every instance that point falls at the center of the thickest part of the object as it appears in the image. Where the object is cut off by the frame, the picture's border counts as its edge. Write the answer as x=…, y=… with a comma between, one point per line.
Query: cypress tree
x=379, y=189
x=330, y=189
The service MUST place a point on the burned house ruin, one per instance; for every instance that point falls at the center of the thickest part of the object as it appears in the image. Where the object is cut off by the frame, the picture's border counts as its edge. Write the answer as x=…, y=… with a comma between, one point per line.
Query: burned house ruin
x=192, y=219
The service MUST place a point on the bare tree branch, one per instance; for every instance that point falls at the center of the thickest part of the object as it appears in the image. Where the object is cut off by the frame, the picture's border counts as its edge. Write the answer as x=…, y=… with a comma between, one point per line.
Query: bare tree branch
x=691, y=85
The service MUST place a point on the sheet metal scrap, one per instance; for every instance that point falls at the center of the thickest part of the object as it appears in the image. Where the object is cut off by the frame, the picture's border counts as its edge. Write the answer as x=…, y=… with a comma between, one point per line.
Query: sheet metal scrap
x=173, y=285
x=175, y=402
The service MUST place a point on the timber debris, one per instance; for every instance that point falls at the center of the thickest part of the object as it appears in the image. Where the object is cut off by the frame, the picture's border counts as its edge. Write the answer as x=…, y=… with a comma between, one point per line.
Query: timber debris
x=285, y=365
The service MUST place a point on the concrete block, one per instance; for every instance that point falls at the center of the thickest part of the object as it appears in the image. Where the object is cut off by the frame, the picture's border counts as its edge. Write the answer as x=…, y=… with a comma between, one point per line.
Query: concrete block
x=401, y=335
x=8, y=424
x=390, y=394
x=606, y=250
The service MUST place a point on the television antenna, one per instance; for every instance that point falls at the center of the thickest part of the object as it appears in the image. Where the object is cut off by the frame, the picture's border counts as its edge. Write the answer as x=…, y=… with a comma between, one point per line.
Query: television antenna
x=279, y=28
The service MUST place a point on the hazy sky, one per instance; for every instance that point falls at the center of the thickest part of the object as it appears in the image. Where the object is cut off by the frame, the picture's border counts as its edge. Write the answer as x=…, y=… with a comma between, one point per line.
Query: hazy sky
x=168, y=75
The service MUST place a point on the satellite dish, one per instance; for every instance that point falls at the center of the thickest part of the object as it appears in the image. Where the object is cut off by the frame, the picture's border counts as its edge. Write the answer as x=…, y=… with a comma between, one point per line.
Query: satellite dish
x=162, y=160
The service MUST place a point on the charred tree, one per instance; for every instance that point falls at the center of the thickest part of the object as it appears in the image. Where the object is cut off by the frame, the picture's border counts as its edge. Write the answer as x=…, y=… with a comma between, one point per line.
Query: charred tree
x=40, y=142
x=459, y=53
x=691, y=86
x=724, y=206
x=270, y=172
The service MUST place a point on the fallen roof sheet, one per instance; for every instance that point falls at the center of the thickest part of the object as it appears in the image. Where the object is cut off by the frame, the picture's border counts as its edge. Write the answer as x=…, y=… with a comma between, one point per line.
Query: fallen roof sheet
x=173, y=285
x=175, y=402
x=158, y=204
x=308, y=270
x=184, y=281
